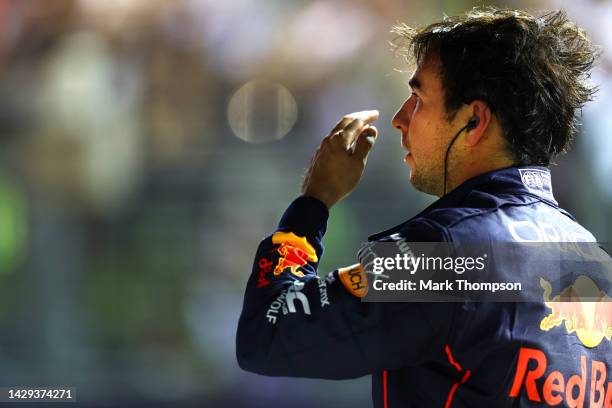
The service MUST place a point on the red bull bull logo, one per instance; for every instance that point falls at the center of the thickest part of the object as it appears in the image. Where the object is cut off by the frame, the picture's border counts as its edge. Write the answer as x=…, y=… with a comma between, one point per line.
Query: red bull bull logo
x=295, y=252
x=583, y=307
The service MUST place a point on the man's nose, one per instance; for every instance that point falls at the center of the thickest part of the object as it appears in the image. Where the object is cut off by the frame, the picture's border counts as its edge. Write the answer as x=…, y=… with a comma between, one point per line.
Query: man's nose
x=401, y=120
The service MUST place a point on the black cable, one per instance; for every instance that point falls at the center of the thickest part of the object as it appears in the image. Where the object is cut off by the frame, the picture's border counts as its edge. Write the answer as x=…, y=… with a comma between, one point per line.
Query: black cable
x=448, y=150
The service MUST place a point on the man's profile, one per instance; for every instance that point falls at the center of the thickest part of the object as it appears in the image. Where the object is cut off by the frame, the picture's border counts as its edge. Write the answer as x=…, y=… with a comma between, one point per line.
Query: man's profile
x=496, y=96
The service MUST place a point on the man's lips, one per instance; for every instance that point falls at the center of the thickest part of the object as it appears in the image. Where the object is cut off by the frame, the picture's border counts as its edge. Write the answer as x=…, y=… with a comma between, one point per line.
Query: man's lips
x=406, y=146
x=408, y=154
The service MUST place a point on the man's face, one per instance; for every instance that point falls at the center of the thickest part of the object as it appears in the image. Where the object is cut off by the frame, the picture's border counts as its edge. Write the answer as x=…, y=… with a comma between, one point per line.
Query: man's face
x=422, y=120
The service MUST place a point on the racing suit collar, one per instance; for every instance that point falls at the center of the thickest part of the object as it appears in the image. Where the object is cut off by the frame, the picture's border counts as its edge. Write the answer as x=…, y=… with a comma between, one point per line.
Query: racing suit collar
x=529, y=180
x=532, y=181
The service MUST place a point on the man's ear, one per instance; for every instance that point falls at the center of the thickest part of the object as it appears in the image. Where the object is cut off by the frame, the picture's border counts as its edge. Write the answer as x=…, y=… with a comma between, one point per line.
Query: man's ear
x=480, y=110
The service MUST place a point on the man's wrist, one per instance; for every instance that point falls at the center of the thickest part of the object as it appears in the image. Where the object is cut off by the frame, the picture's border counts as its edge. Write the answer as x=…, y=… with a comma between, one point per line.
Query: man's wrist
x=326, y=199
x=306, y=216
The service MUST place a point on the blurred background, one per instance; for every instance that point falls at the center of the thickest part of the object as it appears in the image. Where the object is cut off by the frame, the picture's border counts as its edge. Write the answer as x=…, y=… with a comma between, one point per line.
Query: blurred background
x=148, y=145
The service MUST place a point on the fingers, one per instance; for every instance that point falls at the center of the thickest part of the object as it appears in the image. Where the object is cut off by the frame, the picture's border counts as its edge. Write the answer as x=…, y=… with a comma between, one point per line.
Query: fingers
x=365, y=142
x=368, y=116
x=345, y=132
x=340, y=125
x=346, y=136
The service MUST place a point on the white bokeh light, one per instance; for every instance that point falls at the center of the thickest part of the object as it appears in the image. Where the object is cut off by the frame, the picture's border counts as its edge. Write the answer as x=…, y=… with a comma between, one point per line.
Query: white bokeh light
x=262, y=111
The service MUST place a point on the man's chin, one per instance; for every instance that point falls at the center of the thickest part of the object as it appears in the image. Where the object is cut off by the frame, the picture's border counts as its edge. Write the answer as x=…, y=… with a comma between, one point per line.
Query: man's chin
x=424, y=186
x=416, y=183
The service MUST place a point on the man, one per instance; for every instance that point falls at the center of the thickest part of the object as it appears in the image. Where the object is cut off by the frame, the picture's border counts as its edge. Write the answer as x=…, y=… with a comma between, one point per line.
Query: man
x=495, y=97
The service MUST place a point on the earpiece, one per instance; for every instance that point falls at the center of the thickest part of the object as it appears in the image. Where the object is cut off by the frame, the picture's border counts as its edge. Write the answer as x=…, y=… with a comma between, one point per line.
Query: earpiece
x=473, y=122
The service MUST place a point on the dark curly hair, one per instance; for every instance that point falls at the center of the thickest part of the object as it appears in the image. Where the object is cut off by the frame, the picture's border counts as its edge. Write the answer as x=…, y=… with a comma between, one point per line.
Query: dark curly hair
x=531, y=71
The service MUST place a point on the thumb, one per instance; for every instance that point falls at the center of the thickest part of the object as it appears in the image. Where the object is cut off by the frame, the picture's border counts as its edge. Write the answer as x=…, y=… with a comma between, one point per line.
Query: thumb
x=365, y=142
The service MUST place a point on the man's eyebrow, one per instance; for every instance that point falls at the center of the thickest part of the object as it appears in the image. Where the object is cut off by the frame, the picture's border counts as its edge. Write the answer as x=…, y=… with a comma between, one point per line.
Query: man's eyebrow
x=415, y=83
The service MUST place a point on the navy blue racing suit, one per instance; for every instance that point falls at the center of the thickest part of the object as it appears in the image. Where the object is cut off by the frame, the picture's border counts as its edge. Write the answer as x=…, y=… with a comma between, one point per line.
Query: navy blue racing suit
x=455, y=354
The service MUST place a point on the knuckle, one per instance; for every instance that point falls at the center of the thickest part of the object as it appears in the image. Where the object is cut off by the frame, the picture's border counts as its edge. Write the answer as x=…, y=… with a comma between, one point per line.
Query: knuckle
x=356, y=123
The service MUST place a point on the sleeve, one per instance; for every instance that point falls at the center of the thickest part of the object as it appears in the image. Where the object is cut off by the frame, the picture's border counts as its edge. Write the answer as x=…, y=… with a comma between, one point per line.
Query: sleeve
x=294, y=323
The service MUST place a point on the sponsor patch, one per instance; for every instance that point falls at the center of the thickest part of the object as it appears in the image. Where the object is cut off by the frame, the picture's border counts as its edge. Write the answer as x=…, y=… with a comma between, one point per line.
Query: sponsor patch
x=590, y=321
x=286, y=301
x=323, y=293
x=295, y=252
x=554, y=387
x=537, y=181
x=354, y=280
x=265, y=267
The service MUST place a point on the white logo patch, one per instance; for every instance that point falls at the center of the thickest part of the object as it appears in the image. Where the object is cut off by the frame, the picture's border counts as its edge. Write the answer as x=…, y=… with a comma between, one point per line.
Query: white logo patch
x=294, y=293
x=537, y=181
x=285, y=302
